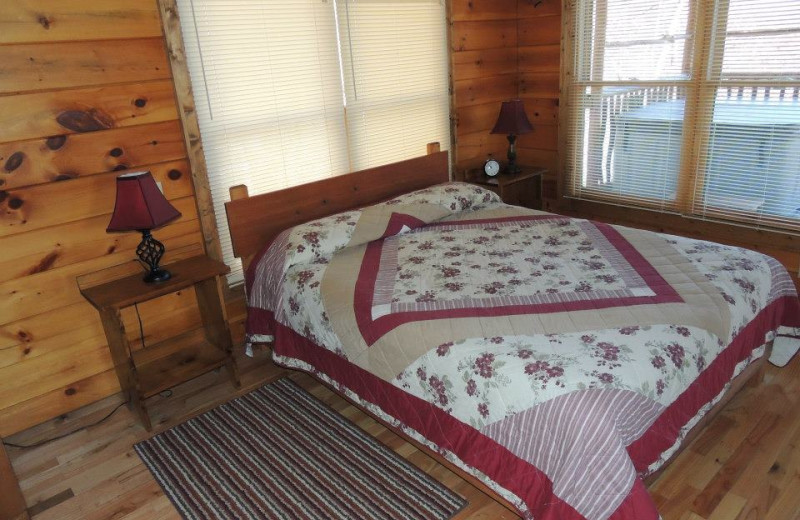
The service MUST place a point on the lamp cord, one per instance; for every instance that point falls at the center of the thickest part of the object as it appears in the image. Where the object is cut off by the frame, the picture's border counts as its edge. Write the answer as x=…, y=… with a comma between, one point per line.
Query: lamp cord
x=41, y=443
x=141, y=327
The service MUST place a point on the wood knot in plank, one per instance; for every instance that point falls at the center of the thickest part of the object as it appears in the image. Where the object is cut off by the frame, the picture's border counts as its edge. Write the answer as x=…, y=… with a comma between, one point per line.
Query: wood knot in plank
x=85, y=120
x=15, y=203
x=140, y=102
x=174, y=174
x=45, y=263
x=43, y=21
x=56, y=141
x=14, y=162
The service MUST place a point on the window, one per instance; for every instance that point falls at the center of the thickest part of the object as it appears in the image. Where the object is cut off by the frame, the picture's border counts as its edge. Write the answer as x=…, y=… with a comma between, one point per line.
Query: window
x=688, y=106
x=290, y=92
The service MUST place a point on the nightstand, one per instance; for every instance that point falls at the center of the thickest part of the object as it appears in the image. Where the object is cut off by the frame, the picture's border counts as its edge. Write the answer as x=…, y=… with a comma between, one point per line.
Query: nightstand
x=146, y=372
x=520, y=189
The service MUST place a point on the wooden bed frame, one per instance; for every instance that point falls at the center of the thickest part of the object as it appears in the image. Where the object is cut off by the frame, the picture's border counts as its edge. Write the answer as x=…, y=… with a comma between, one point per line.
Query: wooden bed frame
x=254, y=221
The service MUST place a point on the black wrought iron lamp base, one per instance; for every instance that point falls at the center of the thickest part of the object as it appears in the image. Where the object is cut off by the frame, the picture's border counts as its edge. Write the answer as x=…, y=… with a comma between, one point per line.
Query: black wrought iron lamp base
x=512, y=167
x=150, y=252
x=157, y=275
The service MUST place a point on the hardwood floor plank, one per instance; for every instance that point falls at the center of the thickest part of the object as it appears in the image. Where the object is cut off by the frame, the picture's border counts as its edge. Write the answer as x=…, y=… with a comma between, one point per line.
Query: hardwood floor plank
x=729, y=507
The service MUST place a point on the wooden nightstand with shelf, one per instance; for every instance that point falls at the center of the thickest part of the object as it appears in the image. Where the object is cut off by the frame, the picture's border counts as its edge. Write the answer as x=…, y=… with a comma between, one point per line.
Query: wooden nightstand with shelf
x=520, y=189
x=146, y=372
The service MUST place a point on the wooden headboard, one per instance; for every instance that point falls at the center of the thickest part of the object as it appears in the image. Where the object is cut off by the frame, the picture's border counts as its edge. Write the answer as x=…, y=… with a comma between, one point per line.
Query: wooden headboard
x=254, y=221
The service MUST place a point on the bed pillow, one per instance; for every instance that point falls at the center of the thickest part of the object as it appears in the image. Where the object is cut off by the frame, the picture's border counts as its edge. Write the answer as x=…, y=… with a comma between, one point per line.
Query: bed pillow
x=314, y=242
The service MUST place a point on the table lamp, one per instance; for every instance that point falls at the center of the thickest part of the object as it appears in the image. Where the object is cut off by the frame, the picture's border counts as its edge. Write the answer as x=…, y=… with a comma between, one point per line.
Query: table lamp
x=512, y=121
x=140, y=206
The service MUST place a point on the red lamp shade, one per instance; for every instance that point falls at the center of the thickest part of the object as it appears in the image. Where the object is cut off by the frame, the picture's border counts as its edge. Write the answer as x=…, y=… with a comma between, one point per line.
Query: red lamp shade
x=512, y=119
x=140, y=205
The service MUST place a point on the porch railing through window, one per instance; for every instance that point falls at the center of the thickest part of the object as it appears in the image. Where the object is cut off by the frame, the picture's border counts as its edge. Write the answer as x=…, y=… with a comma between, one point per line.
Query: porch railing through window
x=633, y=142
x=615, y=102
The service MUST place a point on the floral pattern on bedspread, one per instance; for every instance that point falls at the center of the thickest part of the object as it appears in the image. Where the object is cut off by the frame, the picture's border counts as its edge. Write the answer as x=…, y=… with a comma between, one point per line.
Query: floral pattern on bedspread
x=304, y=309
x=494, y=262
x=747, y=280
x=484, y=380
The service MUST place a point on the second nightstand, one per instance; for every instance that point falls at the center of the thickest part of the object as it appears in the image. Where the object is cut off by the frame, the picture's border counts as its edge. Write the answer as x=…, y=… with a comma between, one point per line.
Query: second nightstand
x=521, y=189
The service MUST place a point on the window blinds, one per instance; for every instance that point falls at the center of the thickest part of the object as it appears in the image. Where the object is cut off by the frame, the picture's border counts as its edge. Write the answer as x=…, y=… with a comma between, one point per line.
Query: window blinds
x=277, y=107
x=687, y=105
x=395, y=69
x=628, y=98
x=748, y=116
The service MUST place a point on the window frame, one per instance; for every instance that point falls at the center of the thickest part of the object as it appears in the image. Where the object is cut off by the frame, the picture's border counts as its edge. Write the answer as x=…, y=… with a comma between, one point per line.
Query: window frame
x=702, y=84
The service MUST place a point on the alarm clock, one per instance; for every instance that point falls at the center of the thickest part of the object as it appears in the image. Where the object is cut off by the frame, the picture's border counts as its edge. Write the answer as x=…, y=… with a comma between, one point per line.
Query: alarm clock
x=491, y=167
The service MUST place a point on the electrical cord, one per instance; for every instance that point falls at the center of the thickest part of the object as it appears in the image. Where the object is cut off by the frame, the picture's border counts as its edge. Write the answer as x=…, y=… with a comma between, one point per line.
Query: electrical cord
x=42, y=443
x=165, y=393
x=141, y=327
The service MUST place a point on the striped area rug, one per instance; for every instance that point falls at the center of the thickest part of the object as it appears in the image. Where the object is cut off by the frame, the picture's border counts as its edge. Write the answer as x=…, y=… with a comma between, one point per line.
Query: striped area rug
x=280, y=453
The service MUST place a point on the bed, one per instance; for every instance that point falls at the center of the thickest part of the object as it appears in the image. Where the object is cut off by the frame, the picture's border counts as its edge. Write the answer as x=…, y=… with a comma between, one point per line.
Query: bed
x=558, y=363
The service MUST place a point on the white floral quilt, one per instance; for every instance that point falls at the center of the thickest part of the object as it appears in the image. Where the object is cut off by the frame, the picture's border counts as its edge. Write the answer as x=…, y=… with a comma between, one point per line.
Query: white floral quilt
x=559, y=360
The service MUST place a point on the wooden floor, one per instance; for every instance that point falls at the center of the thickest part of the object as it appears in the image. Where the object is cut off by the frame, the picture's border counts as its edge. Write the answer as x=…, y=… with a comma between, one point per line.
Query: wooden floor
x=746, y=465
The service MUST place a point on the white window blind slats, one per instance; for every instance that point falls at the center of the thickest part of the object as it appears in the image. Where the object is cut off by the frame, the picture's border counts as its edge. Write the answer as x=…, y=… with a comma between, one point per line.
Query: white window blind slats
x=269, y=93
x=723, y=143
x=395, y=72
x=636, y=40
x=621, y=127
x=748, y=164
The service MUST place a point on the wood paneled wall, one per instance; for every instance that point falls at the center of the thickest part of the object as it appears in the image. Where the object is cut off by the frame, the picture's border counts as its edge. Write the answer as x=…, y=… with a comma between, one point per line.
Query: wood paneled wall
x=504, y=49
x=85, y=93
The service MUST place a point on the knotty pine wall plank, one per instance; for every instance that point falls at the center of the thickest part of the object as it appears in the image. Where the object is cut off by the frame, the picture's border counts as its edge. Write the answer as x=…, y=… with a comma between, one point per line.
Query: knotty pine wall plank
x=24, y=21
x=44, y=334
x=66, y=112
x=86, y=93
x=58, y=401
x=64, y=157
x=48, y=66
x=484, y=34
x=540, y=30
x=484, y=63
x=55, y=288
x=485, y=90
x=52, y=203
x=72, y=242
x=484, y=10
x=476, y=118
x=540, y=58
